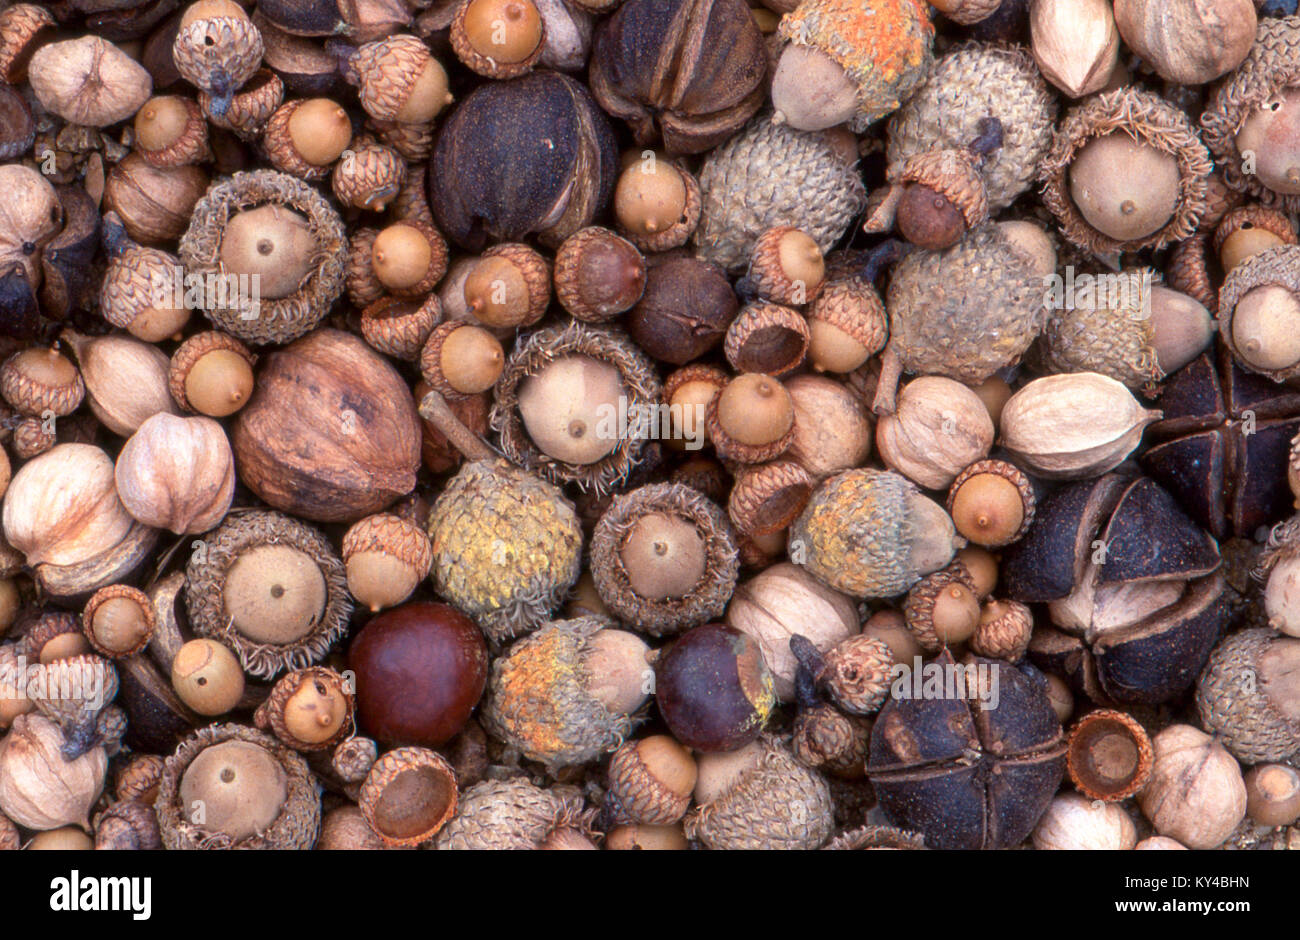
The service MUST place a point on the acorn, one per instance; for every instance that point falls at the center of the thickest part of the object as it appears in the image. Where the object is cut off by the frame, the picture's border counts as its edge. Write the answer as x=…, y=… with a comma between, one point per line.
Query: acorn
x=832, y=427
x=252, y=793
x=386, y=558
x=1258, y=312
x=278, y=229
x=876, y=838
x=217, y=49
x=713, y=689
x=752, y=419
x=847, y=325
x=308, y=709
x=663, y=558
x=560, y=402
x=787, y=267
x=32, y=437
x=171, y=131
x=769, y=175
x=353, y=757
x=127, y=826
x=826, y=739
x=1248, y=230
x=649, y=782
x=73, y=692
x=1108, y=756
x=207, y=677
x=38, y=381
x=54, y=636
x=759, y=797
x=996, y=81
x=270, y=588
x=22, y=26
x=1246, y=696
x=991, y=503
x=598, y=274
x=498, y=38
x=506, y=547
x=684, y=310
x=553, y=144
x=460, y=360
x=249, y=108
x=211, y=373
x=939, y=426
x=1157, y=199
x=1277, y=569
x=400, y=80
x=142, y=290
x=400, y=327
x=409, y=258
x=846, y=64
x=768, y=338
x=858, y=672
x=509, y=286
x=691, y=73
x=345, y=829
x=508, y=814
x=1004, y=630
x=943, y=196
x=871, y=533
x=567, y=693
x=942, y=609
x=408, y=796
x=656, y=202
x=368, y=176
x=118, y=620
x=1273, y=794
x=305, y=137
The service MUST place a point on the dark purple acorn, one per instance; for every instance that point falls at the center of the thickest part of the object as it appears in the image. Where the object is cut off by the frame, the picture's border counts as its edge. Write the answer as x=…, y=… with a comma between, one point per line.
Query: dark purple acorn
x=713, y=689
x=970, y=771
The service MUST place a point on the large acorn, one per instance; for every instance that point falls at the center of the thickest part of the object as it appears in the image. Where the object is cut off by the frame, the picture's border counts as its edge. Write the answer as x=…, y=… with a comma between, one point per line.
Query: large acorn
x=1132, y=585
x=552, y=171
x=968, y=771
x=849, y=63
x=282, y=243
x=872, y=533
x=689, y=70
x=1259, y=312
x=510, y=814
x=269, y=587
x=1249, y=697
x=331, y=432
x=506, y=547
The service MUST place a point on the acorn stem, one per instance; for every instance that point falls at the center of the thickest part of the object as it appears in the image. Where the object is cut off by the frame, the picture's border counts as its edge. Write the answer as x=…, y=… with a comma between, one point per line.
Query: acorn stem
x=113, y=235
x=891, y=370
x=808, y=655
x=434, y=408
x=343, y=53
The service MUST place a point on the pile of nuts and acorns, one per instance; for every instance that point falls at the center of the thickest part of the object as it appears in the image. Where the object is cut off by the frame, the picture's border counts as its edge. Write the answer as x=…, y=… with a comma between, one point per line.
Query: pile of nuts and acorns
x=650, y=424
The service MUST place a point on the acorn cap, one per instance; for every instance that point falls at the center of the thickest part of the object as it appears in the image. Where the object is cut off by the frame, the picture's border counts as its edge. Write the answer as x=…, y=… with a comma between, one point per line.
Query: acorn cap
x=369, y=176
x=825, y=738
x=400, y=327
x=1246, y=695
x=675, y=235
x=103, y=644
x=270, y=715
x=353, y=758
x=409, y=795
x=600, y=302
x=885, y=50
x=503, y=814
x=739, y=452
x=34, y=381
x=767, y=269
x=992, y=80
x=190, y=146
x=486, y=66
x=297, y=825
x=766, y=498
x=858, y=673
x=537, y=698
x=634, y=794
x=286, y=318
x=953, y=175
x=1144, y=117
x=74, y=713
x=506, y=546
x=217, y=53
x=205, y=579
x=191, y=351
x=388, y=69
x=1004, y=630
x=1274, y=266
x=1242, y=218
x=775, y=804
x=1109, y=755
x=279, y=148
x=659, y=617
x=1117, y=340
x=250, y=108
x=48, y=628
x=21, y=26
x=851, y=305
x=1187, y=271
x=413, y=141
x=868, y=838
x=767, y=337
x=641, y=390
x=919, y=608
x=1011, y=474
x=139, y=778
x=392, y=535
x=362, y=284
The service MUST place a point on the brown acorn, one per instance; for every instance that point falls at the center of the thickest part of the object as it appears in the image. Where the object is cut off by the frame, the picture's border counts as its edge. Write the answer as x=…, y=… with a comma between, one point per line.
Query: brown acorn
x=598, y=274
x=55, y=636
x=498, y=38
x=368, y=176
x=824, y=738
x=943, y=198
x=118, y=620
x=400, y=80
x=171, y=131
x=33, y=437
x=1109, y=756
x=991, y=503
x=656, y=203
x=460, y=360
x=847, y=325
x=752, y=419
x=1003, y=631
x=767, y=337
x=766, y=498
x=250, y=108
x=22, y=26
x=685, y=310
x=687, y=393
x=509, y=286
x=942, y=609
x=400, y=327
x=36, y=381
x=127, y=826
x=409, y=795
x=1246, y=695
x=1248, y=230
x=386, y=558
x=217, y=49
x=408, y=258
x=649, y=782
x=858, y=673
x=142, y=289
x=308, y=709
x=211, y=373
x=305, y=137
x=787, y=266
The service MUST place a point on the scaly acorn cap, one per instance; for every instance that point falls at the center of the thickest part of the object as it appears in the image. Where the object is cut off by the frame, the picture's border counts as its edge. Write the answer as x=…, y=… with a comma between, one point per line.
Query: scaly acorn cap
x=413, y=141
x=852, y=306
x=536, y=274
x=1252, y=709
x=191, y=351
x=953, y=175
x=1187, y=271
x=421, y=800
x=1004, y=630
x=530, y=356
x=1110, y=773
x=118, y=592
x=1279, y=267
x=919, y=608
x=885, y=49
x=1144, y=117
x=660, y=617
x=537, y=698
x=825, y=737
x=506, y=814
x=139, y=778
x=775, y=804
x=250, y=108
x=278, y=145
x=190, y=146
x=1013, y=475
x=1243, y=218
x=858, y=673
x=399, y=327
x=1115, y=339
x=368, y=176
x=20, y=26
x=970, y=82
x=283, y=319
x=633, y=794
x=766, y=498
x=430, y=357
x=217, y=54
x=506, y=546
x=209, y=566
x=362, y=284
x=388, y=70
x=752, y=343
x=270, y=715
x=47, y=629
x=353, y=758
x=296, y=826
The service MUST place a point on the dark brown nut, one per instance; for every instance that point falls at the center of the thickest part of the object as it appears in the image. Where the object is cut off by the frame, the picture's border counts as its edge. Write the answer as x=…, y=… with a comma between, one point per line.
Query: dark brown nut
x=684, y=312
x=598, y=275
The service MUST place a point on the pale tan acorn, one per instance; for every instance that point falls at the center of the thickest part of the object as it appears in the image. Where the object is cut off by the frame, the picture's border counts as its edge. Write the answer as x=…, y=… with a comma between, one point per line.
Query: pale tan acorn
x=386, y=558
x=118, y=620
x=408, y=258
x=1248, y=230
x=847, y=325
x=400, y=327
x=657, y=203
x=171, y=131
x=368, y=176
x=306, y=137
x=211, y=373
x=787, y=266
x=400, y=80
x=751, y=420
x=498, y=38
x=649, y=782
x=141, y=292
x=942, y=609
x=991, y=503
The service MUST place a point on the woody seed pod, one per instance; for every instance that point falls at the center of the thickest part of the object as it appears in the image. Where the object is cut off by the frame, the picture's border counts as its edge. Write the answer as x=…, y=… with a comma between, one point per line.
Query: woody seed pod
x=939, y=427
x=832, y=430
x=177, y=474
x=1074, y=822
x=88, y=81
x=126, y=380
x=154, y=203
x=1256, y=718
x=386, y=558
x=211, y=373
x=1196, y=794
x=713, y=689
x=39, y=788
x=684, y=311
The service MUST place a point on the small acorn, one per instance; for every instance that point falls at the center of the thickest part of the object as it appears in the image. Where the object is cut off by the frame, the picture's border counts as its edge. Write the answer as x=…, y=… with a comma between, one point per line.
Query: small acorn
x=498, y=38
x=1259, y=307
x=55, y=636
x=649, y=782
x=943, y=193
x=752, y=419
x=942, y=609
x=138, y=779
x=509, y=814
x=409, y=258
x=787, y=266
x=1248, y=230
x=1273, y=794
x=858, y=673
x=308, y=709
x=369, y=176
x=217, y=49
x=36, y=381
x=1004, y=630
x=598, y=274
x=847, y=325
x=207, y=677
x=991, y=503
x=460, y=360
x=142, y=288
x=1109, y=756
x=306, y=137
x=509, y=286
x=656, y=203
x=400, y=80
x=171, y=131
x=118, y=620
x=386, y=559
x=211, y=373
x=127, y=826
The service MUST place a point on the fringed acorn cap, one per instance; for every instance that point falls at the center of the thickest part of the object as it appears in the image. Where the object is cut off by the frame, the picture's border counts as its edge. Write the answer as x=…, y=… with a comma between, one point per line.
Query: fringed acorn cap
x=250, y=108
x=369, y=176
x=1246, y=695
x=1004, y=630
x=868, y=838
x=775, y=804
x=258, y=551
x=399, y=327
x=409, y=795
x=1147, y=119
x=641, y=391
x=1274, y=332
x=767, y=337
x=503, y=814
x=296, y=824
x=188, y=145
x=1112, y=335
x=538, y=697
x=118, y=620
x=885, y=49
x=768, y=175
x=973, y=81
x=1271, y=68
x=709, y=531
x=1109, y=755
x=282, y=319
x=1187, y=271
x=954, y=175
x=21, y=25
x=1244, y=218
x=309, y=709
x=506, y=547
